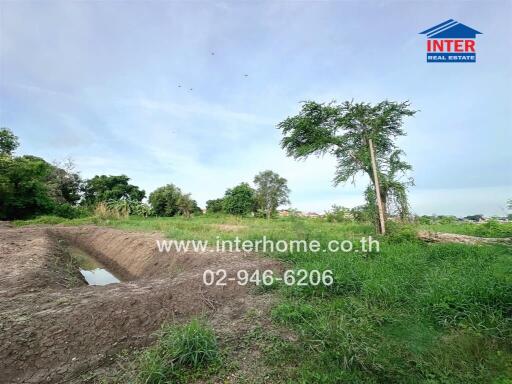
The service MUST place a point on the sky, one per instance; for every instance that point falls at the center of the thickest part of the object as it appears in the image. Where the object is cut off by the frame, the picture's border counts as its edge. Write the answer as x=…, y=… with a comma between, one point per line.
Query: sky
x=99, y=82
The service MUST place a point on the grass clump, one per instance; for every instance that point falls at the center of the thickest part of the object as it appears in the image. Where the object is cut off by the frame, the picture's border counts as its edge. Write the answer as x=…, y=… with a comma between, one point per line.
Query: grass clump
x=181, y=352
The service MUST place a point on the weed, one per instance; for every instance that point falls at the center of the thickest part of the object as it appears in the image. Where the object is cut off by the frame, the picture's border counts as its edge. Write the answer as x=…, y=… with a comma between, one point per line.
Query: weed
x=181, y=350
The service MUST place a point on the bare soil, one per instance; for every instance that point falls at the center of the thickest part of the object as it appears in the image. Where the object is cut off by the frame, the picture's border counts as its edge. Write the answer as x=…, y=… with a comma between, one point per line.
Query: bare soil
x=230, y=227
x=439, y=237
x=54, y=327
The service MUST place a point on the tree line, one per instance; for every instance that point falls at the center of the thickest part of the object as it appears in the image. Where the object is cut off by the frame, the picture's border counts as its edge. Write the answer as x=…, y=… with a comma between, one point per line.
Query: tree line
x=30, y=186
x=361, y=136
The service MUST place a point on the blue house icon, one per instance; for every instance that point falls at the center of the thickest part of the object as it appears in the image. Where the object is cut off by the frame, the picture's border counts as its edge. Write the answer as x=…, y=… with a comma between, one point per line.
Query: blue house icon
x=451, y=29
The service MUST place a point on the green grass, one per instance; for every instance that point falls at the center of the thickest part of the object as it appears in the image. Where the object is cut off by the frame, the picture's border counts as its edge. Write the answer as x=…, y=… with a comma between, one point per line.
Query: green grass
x=488, y=229
x=182, y=352
x=412, y=313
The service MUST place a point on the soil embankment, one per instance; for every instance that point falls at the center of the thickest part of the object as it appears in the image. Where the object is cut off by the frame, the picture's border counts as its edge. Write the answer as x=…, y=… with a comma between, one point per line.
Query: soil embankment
x=54, y=327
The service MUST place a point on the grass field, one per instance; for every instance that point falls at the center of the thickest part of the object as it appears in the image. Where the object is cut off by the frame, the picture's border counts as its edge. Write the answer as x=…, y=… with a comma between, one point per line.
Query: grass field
x=488, y=229
x=412, y=313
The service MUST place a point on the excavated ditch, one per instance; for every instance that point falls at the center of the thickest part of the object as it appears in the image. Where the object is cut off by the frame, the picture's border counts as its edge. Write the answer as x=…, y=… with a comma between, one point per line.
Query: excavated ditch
x=54, y=327
x=91, y=269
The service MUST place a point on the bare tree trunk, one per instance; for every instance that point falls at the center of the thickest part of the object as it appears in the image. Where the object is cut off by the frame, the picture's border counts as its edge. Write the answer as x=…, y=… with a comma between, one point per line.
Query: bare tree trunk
x=380, y=207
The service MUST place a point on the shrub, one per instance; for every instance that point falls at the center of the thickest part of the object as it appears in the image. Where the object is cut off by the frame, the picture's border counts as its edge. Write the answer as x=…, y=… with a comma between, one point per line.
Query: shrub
x=69, y=211
x=338, y=214
x=400, y=233
x=240, y=200
x=215, y=205
x=493, y=228
x=104, y=212
x=121, y=209
x=24, y=191
x=164, y=200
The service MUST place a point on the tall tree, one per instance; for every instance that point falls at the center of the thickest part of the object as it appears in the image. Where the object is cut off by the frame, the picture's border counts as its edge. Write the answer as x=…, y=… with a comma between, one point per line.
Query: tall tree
x=361, y=136
x=8, y=142
x=186, y=205
x=271, y=191
x=65, y=182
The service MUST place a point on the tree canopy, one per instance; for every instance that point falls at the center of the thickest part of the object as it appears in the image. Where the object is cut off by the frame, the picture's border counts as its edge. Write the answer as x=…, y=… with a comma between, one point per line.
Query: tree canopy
x=271, y=191
x=344, y=131
x=169, y=200
x=104, y=188
x=186, y=205
x=24, y=188
x=8, y=142
x=240, y=200
x=65, y=183
x=215, y=205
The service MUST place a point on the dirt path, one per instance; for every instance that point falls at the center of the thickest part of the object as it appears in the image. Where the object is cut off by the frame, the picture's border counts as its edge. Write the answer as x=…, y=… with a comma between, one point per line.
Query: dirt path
x=439, y=237
x=53, y=327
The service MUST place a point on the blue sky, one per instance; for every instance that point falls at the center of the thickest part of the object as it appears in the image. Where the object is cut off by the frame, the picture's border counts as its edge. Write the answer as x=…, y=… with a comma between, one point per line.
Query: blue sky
x=99, y=82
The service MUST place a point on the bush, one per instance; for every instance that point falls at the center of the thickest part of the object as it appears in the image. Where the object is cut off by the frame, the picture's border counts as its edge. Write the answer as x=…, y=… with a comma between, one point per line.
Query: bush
x=401, y=233
x=104, y=212
x=24, y=191
x=338, y=214
x=69, y=211
x=170, y=201
x=179, y=350
x=45, y=219
x=240, y=200
x=215, y=205
x=493, y=228
x=121, y=209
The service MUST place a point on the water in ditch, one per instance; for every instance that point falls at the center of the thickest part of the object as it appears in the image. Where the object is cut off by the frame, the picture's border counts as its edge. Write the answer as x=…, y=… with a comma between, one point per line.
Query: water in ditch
x=93, y=272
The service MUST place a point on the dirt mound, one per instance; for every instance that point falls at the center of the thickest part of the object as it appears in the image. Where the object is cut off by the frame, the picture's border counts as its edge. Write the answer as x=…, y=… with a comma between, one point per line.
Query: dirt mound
x=439, y=237
x=53, y=332
x=31, y=260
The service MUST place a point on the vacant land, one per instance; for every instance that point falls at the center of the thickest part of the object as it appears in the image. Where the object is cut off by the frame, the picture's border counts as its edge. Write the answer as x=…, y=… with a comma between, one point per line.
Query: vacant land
x=413, y=312
x=56, y=328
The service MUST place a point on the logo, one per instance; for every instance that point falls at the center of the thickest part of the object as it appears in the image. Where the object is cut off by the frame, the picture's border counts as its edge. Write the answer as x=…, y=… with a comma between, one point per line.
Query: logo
x=451, y=42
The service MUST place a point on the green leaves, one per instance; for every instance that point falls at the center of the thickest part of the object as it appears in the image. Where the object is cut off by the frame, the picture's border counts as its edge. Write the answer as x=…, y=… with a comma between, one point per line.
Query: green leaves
x=164, y=200
x=24, y=191
x=8, y=142
x=169, y=200
x=271, y=191
x=240, y=200
x=103, y=188
x=343, y=130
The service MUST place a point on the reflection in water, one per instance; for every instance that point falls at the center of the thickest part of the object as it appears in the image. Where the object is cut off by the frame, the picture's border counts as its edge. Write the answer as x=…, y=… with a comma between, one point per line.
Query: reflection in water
x=92, y=271
x=98, y=276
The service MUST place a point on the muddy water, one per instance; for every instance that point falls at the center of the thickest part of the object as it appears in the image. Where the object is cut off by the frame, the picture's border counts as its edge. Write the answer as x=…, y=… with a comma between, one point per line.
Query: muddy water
x=92, y=271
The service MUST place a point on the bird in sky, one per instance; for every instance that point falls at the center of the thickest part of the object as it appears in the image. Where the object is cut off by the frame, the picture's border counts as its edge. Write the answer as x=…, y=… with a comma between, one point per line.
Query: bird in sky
x=179, y=86
x=213, y=53
x=190, y=89
x=246, y=75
